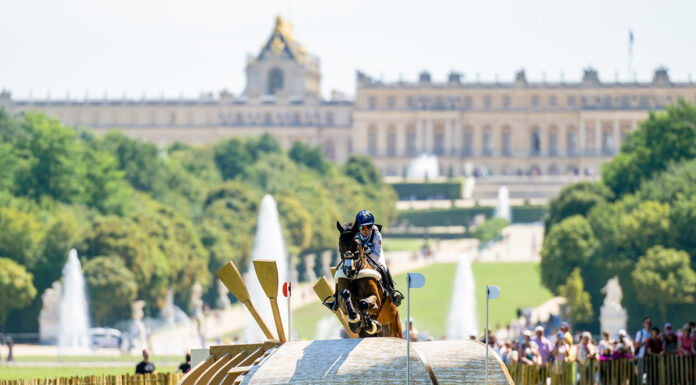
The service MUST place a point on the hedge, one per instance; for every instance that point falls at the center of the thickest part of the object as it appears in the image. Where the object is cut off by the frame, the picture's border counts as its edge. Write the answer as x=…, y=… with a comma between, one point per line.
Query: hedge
x=420, y=191
x=462, y=216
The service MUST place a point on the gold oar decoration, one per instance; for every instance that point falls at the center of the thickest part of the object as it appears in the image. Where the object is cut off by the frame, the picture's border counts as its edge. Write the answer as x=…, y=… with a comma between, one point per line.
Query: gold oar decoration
x=230, y=276
x=267, y=273
x=323, y=290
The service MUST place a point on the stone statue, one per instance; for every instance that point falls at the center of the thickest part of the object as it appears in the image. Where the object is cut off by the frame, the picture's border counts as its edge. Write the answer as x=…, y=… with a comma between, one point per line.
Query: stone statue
x=612, y=316
x=196, y=305
x=137, y=331
x=49, y=318
x=223, y=301
x=309, y=262
x=167, y=313
x=326, y=258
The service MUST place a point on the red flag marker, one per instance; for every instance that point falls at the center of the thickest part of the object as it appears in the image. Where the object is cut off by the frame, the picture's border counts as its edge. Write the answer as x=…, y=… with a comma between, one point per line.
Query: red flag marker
x=287, y=289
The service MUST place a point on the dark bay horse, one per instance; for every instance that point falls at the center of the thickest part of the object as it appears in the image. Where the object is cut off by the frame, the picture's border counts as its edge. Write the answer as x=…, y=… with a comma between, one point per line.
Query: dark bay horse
x=361, y=296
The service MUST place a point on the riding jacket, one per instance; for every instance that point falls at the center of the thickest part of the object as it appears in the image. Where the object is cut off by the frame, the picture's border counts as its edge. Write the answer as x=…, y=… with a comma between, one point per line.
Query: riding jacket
x=374, y=243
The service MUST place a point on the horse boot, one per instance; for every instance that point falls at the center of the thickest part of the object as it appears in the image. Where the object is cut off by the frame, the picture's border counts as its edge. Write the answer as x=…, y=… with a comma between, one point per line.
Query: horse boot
x=396, y=296
x=332, y=301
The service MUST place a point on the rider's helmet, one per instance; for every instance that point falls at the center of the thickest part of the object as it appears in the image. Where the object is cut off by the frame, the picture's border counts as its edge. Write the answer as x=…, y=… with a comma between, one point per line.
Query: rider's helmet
x=364, y=218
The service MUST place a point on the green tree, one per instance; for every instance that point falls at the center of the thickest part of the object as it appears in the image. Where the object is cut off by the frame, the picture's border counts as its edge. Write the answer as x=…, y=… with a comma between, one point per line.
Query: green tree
x=663, y=138
x=580, y=306
x=568, y=245
x=231, y=158
x=362, y=169
x=310, y=156
x=490, y=229
x=21, y=235
x=16, y=287
x=576, y=199
x=259, y=146
x=111, y=286
x=664, y=277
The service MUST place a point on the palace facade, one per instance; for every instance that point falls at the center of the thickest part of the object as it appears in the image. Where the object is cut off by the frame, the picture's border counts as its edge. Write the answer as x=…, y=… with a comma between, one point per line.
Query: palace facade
x=479, y=128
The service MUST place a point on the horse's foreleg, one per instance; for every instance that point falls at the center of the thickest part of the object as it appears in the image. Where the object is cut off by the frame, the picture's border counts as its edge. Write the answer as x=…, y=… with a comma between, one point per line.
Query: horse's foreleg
x=353, y=316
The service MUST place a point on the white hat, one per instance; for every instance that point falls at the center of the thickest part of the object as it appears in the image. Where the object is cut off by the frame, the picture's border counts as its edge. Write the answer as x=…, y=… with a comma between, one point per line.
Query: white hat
x=527, y=333
x=622, y=333
x=539, y=329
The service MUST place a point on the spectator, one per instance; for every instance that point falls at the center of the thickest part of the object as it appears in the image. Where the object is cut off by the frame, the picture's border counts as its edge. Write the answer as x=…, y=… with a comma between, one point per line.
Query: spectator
x=529, y=353
x=565, y=328
x=412, y=331
x=606, y=343
x=642, y=336
x=671, y=342
x=145, y=366
x=186, y=366
x=560, y=353
x=627, y=343
x=654, y=343
x=10, y=348
x=543, y=344
x=586, y=349
x=686, y=341
x=508, y=355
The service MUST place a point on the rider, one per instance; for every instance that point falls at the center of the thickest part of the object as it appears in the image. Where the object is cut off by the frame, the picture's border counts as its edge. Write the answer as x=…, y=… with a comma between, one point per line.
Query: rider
x=371, y=240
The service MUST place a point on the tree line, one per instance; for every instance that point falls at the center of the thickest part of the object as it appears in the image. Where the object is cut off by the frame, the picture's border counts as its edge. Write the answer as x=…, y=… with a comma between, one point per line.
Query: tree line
x=145, y=218
x=637, y=223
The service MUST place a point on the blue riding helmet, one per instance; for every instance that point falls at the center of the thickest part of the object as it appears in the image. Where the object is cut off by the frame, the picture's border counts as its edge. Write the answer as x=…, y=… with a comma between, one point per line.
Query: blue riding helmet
x=364, y=218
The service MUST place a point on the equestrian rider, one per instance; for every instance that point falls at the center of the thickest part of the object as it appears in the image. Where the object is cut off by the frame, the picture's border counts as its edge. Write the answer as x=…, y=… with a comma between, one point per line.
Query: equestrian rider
x=371, y=240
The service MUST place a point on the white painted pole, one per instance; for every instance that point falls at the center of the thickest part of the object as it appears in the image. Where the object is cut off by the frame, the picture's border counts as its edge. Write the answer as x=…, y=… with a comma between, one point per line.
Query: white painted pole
x=486, y=335
x=289, y=316
x=408, y=330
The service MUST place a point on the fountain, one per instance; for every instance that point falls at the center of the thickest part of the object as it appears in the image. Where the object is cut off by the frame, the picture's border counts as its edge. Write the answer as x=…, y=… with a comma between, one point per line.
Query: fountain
x=502, y=208
x=268, y=245
x=462, y=320
x=328, y=328
x=425, y=166
x=74, y=322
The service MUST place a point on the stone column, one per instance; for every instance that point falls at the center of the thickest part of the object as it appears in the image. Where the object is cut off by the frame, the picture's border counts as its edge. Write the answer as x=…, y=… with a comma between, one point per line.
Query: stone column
x=429, y=136
x=582, y=141
x=381, y=139
x=597, y=136
x=617, y=136
x=400, y=138
x=449, y=128
x=543, y=139
x=326, y=258
x=562, y=140
x=420, y=136
x=309, y=262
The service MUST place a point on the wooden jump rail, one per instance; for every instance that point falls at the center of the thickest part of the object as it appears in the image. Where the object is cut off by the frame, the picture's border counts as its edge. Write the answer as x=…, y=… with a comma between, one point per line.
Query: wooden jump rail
x=119, y=379
x=663, y=370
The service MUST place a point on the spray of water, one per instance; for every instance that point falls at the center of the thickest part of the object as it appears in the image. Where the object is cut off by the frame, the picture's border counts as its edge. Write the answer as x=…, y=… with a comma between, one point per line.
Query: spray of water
x=328, y=328
x=74, y=319
x=462, y=321
x=502, y=208
x=424, y=166
x=267, y=245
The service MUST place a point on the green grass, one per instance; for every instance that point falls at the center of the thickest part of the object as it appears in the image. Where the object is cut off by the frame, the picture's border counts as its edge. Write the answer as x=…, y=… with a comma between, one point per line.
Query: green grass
x=402, y=244
x=14, y=373
x=98, y=358
x=519, y=283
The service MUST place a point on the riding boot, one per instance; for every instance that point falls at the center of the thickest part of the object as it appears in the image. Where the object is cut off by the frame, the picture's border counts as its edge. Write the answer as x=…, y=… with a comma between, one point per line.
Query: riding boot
x=332, y=301
x=396, y=295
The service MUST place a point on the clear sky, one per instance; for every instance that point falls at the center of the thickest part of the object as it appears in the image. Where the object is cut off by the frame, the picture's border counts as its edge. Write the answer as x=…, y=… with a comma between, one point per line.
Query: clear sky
x=175, y=47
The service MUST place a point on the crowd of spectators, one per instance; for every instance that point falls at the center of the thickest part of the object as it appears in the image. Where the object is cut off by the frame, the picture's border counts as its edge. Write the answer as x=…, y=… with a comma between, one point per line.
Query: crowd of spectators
x=539, y=347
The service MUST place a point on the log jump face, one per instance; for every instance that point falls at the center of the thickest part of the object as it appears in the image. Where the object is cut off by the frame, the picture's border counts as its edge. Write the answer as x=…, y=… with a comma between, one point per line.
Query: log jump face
x=230, y=276
x=323, y=290
x=267, y=273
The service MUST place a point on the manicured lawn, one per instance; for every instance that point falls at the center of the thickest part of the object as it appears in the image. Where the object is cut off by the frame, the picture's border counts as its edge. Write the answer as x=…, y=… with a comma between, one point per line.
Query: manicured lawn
x=403, y=244
x=519, y=284
x=13, y=372
x=98, y=358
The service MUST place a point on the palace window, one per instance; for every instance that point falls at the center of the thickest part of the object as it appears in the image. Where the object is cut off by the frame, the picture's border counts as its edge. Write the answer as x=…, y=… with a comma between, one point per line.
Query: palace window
x=487, y=141
x=507, y=141
x=329, y=118
x=553, y=142
x=571, y=101
x=391, y=102
x=535, y=100
x=487, y=101
x=571, y=141
x=468, y=144
x=552, y=101
x=330, y=149
x=535, y=142
x=506, y=101
x=275, y=81
x=411, y=149
x=391, y=141
x=372, y=102
x=439, y=139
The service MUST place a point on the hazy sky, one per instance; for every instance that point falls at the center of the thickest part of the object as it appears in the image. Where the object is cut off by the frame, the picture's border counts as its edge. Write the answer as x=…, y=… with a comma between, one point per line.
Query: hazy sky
x=174, y=47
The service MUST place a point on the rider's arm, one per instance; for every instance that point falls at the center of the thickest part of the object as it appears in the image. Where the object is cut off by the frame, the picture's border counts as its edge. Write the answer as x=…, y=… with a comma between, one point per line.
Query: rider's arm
x=377, y=243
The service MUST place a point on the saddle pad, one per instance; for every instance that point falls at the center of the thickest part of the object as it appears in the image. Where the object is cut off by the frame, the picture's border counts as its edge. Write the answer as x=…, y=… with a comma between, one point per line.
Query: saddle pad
x=364, y=273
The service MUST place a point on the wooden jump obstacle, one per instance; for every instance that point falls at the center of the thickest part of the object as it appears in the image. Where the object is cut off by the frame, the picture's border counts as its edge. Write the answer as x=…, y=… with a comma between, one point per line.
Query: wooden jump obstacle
x=345, y=361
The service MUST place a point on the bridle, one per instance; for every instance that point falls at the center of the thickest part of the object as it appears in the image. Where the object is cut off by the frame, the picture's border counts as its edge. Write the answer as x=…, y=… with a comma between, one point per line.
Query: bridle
x=353, y=262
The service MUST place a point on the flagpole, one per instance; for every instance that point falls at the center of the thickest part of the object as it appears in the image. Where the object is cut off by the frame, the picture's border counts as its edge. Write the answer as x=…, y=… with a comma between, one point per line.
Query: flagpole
x=408, y=330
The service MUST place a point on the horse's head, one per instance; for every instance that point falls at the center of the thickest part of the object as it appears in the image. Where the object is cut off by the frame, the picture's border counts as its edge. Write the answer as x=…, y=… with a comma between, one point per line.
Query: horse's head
x=350, y=249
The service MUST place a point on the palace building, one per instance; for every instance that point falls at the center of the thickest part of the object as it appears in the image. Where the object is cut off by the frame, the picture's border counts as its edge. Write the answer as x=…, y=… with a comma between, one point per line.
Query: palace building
x=479, y=128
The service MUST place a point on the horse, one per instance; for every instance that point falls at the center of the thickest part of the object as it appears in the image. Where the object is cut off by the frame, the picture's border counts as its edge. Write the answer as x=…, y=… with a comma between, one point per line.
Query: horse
x=358, y=287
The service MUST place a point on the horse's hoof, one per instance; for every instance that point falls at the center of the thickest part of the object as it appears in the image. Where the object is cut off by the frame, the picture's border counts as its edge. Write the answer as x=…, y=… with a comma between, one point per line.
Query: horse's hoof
x=345, y=294
x=376, y=328
x=363, y=305
x=354, y=320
